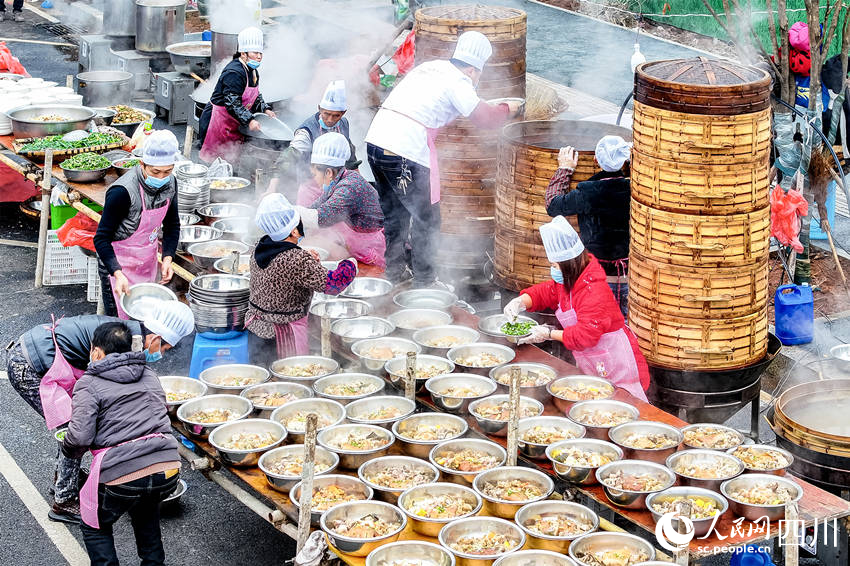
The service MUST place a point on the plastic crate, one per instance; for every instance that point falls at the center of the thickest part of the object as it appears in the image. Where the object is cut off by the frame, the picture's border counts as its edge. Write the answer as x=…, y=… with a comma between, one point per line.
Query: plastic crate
x=63, y=266
x=93, y=289
x=59, y=215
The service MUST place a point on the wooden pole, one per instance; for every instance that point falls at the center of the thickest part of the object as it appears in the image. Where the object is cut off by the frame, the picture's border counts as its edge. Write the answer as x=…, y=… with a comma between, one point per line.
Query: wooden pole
x=326, y=335
x=43, y=218
x=513, y=418
x=683, y=556
x=305, y=501
x=187, y=141
x=792, y=549
x=410, y=377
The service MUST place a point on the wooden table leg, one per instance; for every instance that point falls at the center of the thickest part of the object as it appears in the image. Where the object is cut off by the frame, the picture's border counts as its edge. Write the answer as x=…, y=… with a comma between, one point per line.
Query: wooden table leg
x=43, y=218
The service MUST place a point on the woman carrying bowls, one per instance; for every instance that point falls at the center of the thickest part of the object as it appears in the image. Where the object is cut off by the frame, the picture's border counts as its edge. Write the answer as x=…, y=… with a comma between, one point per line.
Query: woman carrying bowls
x=283, y=279
x=137, y=205
x=592, y=325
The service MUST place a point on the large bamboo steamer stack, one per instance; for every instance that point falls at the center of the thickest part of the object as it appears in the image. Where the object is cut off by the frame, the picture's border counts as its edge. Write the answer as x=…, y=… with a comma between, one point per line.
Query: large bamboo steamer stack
x=528, y=158
x=700, y=218
x=467, y=154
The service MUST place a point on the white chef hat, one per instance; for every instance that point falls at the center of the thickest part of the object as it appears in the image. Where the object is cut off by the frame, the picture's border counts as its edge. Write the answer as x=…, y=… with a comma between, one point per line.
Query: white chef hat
x=160, y=149
x=331, y=149
x=250, y=39
x=172, y=320
x=560, y=240
x=334, y=98
x=473, y=48
x=612, y=152
x=277, y=217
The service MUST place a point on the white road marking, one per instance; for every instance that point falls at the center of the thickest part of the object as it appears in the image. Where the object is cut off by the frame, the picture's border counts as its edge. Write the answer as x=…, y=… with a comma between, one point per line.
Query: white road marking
x=3, y=374
x=38, y=508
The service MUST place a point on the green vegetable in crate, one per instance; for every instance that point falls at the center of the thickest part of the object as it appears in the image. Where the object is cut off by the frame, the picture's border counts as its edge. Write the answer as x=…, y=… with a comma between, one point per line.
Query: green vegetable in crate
x=56, y=142
x=86, y=162
x=517, y=328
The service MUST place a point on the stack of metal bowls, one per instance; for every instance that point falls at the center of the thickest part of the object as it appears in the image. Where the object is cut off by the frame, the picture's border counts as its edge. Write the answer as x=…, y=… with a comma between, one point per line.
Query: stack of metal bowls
x=193, y=188
x=219, y=302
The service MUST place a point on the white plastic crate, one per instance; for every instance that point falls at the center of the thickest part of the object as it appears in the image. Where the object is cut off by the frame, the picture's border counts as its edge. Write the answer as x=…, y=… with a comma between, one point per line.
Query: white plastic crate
x=63, y=266
x=93, y=290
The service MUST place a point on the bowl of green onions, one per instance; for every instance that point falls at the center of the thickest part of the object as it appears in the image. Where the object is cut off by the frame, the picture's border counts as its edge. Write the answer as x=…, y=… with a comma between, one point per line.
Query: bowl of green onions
x=499, y=326
x=85, y=167
x=125, y=164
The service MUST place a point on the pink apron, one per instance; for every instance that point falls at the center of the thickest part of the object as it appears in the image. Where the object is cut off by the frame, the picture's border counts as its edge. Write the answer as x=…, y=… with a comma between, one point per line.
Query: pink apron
x=57, y=386
x=223, y=137
x=88, y=495
x=612, y=358
x=291, y=339
x=137, y=254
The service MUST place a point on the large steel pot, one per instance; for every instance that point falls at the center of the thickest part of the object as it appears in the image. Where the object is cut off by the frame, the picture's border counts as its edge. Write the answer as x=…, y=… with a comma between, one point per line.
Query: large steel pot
x=104, y=88
x=191, y=57
x=25, y=125
x=159, y=23
x=119, y=17
x=224, y=45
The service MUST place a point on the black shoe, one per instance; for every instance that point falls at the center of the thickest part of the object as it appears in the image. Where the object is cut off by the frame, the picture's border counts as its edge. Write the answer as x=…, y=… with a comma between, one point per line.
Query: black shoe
x=67, y=512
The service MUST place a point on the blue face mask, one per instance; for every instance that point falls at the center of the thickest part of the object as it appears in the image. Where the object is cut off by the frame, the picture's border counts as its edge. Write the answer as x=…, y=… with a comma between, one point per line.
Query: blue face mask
x=152, y=357
x=253, y=64
x=556, y=274
x=323, y=125
x=155, y=183
x=301, y=239
x=325, y=189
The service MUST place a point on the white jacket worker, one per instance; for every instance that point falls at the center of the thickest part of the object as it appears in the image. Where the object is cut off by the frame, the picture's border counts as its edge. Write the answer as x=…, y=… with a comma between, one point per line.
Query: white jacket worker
x=401, y=152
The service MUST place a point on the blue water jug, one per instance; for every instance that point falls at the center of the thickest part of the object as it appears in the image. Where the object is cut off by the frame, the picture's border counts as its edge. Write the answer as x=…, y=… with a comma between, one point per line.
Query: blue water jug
x=795, y=314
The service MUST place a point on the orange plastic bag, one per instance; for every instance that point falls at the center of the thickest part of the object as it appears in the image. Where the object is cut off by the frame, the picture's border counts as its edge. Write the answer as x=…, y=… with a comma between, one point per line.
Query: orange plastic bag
x=786, y=209
x=78, y=231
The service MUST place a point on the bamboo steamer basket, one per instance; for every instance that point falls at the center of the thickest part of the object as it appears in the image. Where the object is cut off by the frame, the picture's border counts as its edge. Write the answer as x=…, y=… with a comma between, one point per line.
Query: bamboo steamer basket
x=695, y=241
x=697, y=293
x=678, y=342
x=528, y=158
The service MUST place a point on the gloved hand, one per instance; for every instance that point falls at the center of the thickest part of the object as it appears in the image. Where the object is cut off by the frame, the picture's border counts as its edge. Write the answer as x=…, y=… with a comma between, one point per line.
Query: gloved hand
x=513, y=308
x=539, y=334
x=356, y=267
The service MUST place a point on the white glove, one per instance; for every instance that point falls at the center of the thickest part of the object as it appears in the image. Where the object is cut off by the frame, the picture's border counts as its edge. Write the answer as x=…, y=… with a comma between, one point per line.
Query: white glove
x=513, y=308
x=309, y=216
x=538, y=334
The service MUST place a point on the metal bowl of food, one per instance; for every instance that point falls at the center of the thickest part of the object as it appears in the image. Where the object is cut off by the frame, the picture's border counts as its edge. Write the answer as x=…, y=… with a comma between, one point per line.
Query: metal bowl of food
x=367, y=288
x=598, y=417
x=754, y=496
x=705, y=506
x=389, y=476
x=763, y=459
x=196, y=234
x=425, y=299
x=216, y=211
x=533, y=379
x=535, y=557
x=438, y=340
x=104, y=116
x=179, y=389
x=205, y=254
x=704, y=468
x=48, y=120
x=338, y=309
x=572, y=389
x=496, y=326
x=240, y=266
x=282, y=465
x=576, y=461
x=506, y=489
x=230, y=189
x=477, y=541
x=536, y=434
x=186, y=218
x=143, y=298
x=127, y=164
x=381, y=411
x=350, y=330
x=430, y=507
x=460, y=460
x=418, y=434
x=408, y=321
x=266, y=397
x=426, y=553
x=646, y=440
x=235, y=227
x=355, y=444
x=233, y=378
x=710, y=436
x=492, y=413
x=553, y=525
x=202, y=415
x=359, y=527
x=329, y=491
x=603, y=548
x=94, y=171
x=127, y=119
x=346, y=387
x=454, y=392
x=241, y=443
x=480, y=357
x=426, y=368
x=303, y=369
x=293, y=415
x=627, y=483
x=373, y=353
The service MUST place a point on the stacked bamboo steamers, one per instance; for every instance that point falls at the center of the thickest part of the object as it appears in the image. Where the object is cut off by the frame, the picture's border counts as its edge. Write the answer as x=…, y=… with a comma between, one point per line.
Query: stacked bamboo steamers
x=700, y=217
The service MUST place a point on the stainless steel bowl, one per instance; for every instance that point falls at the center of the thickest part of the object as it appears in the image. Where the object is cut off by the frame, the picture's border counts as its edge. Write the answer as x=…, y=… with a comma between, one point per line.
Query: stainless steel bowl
x=246, y=457
x=338, y=309
x=537, y=450
x=253, y=392
x=367, y=288
x=241, y=191
x=492, y=326
x=216, y=211
x=753, y=512
x=353, y=459
x=372, y=384
x=240, y=406
x=324, y=462
x=205, y=254
x=430, y=527
x=426, y=336
x=602, y=390
x=235, y=227
x=500, y=427
x=408, y=321
x=361, y=348
x=528, y=513
x=405, y=466
x=104, y=116
x=426, y=553
x=472, y=526
x=534, y=558
x=355, y=510
x=701, y=526
x=619, y=435
x=457, y=445
x=84, y=175
x=841, y=352
x=397, y=370
x=225, y=265
x=425, y=299
x=577, y=411
x=174, y=497
x=505, y=354
x=454, y=427
x=439, y=386
x=601, y=541
x=191, y=57
x=25, y=125
x=186, y=218
x=213, y=376
x=330, y=410
x=129, y=128
x=702, y=459
x=281, y=369
x=349, y=484
x=739, y=438
x=358, y=412
x=580, y=475
x=502, y=376
x=633, y=499
x=780, y=471
x=144, y=298
x=180, y=384
x=196, y=234
x=505, y=508
x=350, y=330
x=121, y=166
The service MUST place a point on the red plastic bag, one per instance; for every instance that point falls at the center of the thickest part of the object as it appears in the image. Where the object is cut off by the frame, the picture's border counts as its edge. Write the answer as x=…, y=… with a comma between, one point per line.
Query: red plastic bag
x=78, y=231
x=786, y=209
x=9, y=63
x=404, y=55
